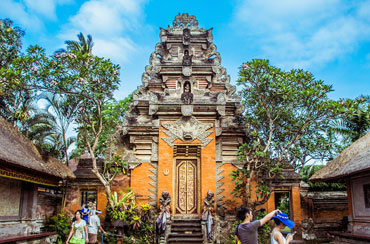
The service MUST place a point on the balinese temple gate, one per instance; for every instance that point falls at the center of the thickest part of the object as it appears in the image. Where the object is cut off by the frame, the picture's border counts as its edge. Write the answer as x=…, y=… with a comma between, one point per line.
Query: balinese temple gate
x=183, y=129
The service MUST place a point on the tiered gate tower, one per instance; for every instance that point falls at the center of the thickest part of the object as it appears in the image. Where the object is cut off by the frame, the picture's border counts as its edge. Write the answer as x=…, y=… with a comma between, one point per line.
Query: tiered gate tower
x=182, y=132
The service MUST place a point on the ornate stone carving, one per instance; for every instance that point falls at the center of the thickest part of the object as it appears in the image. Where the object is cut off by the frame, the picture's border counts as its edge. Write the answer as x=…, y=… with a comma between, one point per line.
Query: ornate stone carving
x=187, y=129
x=207, y=215
x=164, y=203
x=187, y=110
x=187, y=70
x=185, y=21
x=186, y=36
x=187, y=96
x=187, y=59
x=164, y=212
x=163, y=34
x=210, y=35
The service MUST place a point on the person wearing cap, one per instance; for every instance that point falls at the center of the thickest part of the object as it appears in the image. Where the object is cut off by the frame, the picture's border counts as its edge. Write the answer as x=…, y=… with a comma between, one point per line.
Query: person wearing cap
x=247, y=231
x=281, y=220
x=94, y=225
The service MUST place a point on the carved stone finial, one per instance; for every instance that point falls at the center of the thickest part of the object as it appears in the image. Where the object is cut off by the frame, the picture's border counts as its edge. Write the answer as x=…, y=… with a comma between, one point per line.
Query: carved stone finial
x=185, y=21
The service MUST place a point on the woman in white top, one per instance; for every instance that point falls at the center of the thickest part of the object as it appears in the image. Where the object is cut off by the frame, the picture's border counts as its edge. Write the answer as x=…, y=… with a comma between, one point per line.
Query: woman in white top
x=78, y=230
x=281, y=220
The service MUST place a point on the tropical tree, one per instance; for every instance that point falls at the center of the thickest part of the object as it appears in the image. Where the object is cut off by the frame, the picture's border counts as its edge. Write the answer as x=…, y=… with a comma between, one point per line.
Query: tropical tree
x=112, y=115
x=82, y=77
x=83, y=45
x=10, y=42
x=50, y=126
x=354, y=121
x=16, y=103
x=287, y=115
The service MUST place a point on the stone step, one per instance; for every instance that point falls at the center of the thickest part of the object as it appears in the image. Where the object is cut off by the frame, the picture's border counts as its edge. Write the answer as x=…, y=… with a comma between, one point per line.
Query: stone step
x=186, y=240
x=189, y=236
x=185, y=224
x=185, y=228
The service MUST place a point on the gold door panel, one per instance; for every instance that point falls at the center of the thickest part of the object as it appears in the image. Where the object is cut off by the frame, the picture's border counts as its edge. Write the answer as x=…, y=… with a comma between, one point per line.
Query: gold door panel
x=186, y=186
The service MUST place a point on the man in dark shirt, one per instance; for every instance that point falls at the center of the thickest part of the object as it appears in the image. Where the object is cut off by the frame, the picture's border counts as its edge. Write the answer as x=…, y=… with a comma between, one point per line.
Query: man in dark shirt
x=247, y=231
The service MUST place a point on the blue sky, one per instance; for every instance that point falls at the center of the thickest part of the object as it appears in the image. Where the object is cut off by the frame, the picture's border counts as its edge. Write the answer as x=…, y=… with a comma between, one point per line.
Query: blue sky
x=329, y=38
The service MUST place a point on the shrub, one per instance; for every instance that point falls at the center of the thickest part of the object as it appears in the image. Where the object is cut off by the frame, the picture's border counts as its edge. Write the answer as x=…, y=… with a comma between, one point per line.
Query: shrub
x=60, y=224
x=138, y=219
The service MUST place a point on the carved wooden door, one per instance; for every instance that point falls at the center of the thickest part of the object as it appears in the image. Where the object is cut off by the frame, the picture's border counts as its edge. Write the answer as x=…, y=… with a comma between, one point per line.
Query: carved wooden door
x=186, y=186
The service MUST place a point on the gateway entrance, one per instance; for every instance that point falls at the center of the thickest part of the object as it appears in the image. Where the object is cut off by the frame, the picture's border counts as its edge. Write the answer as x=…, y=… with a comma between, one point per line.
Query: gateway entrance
x=186, y=186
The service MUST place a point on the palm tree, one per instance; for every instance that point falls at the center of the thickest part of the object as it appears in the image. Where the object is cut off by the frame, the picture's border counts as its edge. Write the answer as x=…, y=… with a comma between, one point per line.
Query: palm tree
x=43, y=130
x=48, y=127
x=353, y=126
x=355, y=121
x=82, y=45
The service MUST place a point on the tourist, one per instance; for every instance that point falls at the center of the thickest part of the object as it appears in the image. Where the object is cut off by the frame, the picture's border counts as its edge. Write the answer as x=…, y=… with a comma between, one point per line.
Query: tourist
x=281, y=220
x=85, y=213
x=247, y=231
x=78, y=230
x=94, y=225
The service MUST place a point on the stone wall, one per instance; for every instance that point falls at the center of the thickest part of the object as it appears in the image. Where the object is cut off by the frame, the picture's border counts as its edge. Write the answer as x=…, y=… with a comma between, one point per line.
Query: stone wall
x=24, y=208
x=120, y=185
x=323, y=212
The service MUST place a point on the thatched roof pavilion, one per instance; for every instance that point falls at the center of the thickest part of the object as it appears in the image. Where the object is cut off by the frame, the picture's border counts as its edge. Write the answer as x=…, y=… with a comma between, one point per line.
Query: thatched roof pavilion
x=353, y=165
x=20, y=159
x=353, y=160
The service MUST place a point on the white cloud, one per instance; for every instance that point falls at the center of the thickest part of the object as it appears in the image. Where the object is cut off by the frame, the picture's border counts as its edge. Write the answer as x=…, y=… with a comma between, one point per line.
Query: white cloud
x=17, y=12
x=30, y=13
x=110, y=23
x=42, y=7
x=306, y=32
x=117, y=49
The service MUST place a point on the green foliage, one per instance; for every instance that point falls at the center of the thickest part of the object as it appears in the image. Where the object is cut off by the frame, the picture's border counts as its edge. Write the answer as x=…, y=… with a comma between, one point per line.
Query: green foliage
x=10, y=42
x=264, y=231
x=137, y=218
x=48, y=126
x=83, y=45
x=112, y=116
x=86, y=80
x=354, y=121
x=287, y=115
x=60, y=224
x=16, y=103
x=283, y=204
x=231, y=238
x=309, y=170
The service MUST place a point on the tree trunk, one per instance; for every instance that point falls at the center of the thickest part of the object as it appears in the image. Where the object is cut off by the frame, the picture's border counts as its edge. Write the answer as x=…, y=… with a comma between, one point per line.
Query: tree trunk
x=65, y=147
x=109, y=195
x=103, y=181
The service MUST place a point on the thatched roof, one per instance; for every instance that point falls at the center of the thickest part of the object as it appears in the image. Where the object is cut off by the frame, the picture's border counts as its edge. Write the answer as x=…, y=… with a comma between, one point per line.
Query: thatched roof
x=354, y=159
x=19, y=152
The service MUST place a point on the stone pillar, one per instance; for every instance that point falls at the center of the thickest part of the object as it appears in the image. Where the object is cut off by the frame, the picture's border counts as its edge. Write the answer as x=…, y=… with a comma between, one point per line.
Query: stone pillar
x=296, y=209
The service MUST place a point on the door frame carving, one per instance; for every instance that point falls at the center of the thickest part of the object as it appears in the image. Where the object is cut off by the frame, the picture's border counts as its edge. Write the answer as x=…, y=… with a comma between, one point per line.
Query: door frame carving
x=197, y=183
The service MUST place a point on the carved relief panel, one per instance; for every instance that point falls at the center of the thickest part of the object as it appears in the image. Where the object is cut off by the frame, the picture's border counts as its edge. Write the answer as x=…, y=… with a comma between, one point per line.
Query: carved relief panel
x=186, y=186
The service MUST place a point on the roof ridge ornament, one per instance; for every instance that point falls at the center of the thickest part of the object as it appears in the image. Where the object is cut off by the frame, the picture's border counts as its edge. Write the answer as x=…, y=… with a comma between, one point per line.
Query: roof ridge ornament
x=185, y=20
